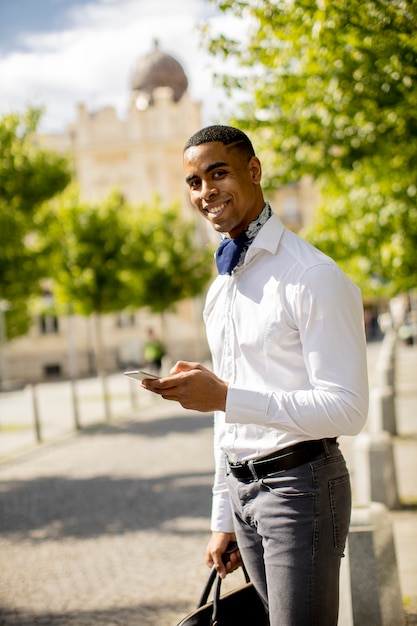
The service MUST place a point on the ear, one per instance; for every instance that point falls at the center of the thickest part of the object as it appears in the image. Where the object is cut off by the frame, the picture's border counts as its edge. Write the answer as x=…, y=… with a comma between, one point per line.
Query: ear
x=255, y=170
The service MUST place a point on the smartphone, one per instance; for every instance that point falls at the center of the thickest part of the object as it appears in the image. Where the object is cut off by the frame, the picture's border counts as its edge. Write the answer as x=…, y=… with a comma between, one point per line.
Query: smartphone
x=140, y=374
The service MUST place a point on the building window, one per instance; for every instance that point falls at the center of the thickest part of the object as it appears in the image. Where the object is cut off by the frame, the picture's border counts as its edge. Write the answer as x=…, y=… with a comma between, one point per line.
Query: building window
x=125, y=320
x=48, y=321
x=52, y=370
x=48, y=324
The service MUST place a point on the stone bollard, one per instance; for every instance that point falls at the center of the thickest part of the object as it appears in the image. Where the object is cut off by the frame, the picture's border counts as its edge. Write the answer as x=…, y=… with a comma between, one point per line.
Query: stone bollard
x=385, y=368
x=375, y=478
x=388, y=342
x=370, y=593
x=385, y=374
x=382, y=414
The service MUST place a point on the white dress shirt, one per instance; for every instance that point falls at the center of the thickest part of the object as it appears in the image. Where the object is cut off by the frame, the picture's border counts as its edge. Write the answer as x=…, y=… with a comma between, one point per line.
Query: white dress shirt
x=286, y=330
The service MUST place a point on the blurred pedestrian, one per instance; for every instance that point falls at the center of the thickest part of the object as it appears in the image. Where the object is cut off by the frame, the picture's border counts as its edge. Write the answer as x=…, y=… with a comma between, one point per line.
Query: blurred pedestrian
x=153, y=353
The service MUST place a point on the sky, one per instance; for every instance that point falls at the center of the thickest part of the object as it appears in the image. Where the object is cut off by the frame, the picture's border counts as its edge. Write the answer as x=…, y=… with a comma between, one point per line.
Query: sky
x=59, y=53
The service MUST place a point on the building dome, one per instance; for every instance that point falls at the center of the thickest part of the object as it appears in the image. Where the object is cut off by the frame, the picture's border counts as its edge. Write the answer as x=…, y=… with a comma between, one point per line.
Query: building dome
x=158, y=69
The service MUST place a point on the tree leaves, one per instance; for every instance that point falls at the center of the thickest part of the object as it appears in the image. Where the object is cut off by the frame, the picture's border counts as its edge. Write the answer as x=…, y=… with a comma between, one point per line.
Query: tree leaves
x=29, y=175
x=110, y=256
x=331, y=91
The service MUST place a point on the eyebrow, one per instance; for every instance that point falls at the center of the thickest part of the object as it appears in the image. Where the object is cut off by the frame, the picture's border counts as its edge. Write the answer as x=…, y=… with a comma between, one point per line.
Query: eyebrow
x=208, y=169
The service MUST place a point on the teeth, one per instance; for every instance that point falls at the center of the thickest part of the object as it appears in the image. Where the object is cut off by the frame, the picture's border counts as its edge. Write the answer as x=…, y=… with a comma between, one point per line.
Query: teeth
x=216, y=209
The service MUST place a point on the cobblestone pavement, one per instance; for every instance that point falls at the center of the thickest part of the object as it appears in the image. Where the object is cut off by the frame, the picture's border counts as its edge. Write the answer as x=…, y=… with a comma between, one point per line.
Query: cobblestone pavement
x=109, y=526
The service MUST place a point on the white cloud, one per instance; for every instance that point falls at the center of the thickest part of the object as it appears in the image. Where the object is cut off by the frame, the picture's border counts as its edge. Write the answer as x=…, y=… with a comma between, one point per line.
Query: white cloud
x=91, y=60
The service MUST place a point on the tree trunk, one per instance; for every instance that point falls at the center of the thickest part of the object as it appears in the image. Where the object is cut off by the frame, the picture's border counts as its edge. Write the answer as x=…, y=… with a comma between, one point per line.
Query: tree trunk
x=100, y=363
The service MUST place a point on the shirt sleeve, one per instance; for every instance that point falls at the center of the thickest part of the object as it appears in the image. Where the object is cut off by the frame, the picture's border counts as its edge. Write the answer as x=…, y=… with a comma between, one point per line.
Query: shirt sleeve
x=221, y=514
x=328, y=312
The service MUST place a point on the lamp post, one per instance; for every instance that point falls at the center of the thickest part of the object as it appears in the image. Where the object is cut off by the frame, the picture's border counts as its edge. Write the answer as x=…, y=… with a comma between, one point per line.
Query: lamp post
x=4, y=374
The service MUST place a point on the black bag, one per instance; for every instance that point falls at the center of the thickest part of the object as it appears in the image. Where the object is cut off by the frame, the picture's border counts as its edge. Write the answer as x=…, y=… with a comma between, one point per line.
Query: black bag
x=240, y=607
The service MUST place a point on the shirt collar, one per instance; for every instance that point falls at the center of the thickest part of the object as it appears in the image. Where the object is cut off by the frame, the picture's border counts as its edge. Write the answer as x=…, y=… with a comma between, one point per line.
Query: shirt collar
x=267, y=238
x=253, y=229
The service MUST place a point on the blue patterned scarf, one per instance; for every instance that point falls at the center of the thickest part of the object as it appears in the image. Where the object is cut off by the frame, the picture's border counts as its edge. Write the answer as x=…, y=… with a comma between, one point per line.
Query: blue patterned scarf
x=231, y=252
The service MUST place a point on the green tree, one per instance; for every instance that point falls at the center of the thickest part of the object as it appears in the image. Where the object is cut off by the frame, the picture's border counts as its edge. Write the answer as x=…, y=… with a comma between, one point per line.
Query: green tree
x=332, y=91
x=88, y=260
x=370, y=232
x=88, y=251
x=29, y=175
x=169, y=261
x=110, y=256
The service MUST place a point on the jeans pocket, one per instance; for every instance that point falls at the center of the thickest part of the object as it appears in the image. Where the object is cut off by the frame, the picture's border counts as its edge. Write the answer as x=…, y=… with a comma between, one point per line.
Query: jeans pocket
x=340, y=503
x=290, y=485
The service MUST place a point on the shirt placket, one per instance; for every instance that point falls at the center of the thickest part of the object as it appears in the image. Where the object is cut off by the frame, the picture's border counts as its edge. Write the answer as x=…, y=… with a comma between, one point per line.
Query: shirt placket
x=228, y=366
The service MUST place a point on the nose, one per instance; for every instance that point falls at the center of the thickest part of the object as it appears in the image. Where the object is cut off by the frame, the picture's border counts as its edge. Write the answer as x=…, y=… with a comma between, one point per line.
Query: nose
x=208, y=190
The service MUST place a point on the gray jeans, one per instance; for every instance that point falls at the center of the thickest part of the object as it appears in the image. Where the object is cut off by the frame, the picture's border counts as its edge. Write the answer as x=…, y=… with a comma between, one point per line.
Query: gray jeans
x=291, y=529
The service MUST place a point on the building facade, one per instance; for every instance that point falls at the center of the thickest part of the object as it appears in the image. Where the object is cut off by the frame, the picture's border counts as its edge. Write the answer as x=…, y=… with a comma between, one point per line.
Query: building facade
x=141, y=157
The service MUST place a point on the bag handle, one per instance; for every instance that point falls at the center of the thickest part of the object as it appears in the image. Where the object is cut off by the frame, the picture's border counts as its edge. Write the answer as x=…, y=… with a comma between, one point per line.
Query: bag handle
x=207, y=588
x=216, y=596
x=214, y=579
x=231, y=547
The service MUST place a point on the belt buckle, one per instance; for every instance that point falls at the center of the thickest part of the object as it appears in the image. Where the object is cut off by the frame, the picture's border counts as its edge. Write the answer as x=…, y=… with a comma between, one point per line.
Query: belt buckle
x=233, y=465
x=241, y=466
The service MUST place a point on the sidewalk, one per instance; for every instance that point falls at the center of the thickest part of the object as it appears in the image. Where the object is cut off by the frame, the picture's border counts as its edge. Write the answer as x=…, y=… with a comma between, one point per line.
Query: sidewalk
x=109, y=526
x=404, y=521
x=405, y=451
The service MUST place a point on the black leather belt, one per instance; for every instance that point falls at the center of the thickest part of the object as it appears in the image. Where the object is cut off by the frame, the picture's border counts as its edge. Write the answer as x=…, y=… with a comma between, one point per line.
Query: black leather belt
x=285, y=459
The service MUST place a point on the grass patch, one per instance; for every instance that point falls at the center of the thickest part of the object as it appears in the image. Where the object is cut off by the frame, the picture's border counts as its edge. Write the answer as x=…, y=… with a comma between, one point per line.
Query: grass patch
x=14, y=428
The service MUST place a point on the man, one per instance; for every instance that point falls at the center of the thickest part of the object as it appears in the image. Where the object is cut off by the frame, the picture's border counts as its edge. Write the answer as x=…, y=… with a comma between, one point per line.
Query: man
x=286, y=331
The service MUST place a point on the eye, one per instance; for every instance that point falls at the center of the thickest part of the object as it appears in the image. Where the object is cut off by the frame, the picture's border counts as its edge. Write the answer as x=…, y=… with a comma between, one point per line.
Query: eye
x=194, y=183
x=219, y=174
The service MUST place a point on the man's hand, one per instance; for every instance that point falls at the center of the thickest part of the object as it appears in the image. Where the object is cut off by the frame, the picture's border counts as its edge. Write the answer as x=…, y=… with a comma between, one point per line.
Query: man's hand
x=217, y=553
x=192, y=385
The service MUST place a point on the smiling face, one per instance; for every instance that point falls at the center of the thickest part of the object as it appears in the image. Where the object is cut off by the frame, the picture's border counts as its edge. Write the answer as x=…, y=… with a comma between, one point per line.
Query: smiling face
x=224, y=185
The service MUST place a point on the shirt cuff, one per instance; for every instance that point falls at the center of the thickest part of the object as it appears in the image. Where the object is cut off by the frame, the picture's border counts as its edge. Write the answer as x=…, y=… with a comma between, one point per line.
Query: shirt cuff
x=221, y=514
x=245, y=406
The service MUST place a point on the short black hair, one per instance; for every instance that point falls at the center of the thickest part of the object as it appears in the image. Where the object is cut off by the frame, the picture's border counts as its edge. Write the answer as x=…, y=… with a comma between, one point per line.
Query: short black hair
x=227, y=135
